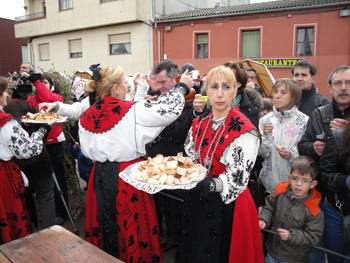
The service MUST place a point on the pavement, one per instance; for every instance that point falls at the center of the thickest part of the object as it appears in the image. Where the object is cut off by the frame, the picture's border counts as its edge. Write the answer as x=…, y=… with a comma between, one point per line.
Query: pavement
x=77, y=209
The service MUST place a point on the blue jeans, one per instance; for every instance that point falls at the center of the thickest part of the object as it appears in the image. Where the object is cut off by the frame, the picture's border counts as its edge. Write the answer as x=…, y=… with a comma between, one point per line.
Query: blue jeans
x=317, y=256
x=333, y=236
x=270, y=259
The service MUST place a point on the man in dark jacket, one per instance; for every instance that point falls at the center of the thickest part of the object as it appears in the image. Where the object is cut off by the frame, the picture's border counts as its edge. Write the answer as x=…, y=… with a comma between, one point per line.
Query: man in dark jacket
x=322, y=122
x=329, y=117
x=304, y=73
x=169, y=143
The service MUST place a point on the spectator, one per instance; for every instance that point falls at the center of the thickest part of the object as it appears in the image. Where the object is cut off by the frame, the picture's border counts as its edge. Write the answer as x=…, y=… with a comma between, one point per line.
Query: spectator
x=169, y=143
x=304, y=73
x=197, y=82
x=48, y=91
x=248, y=100
x=329, y=117
x=335, y=174
x=252, y=74
x=281, y=131
x=292, y=211
x=267, y=107
x=84, y=164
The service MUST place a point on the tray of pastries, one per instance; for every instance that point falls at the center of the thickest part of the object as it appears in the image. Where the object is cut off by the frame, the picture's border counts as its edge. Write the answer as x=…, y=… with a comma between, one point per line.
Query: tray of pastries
x=160, y=173
x=42, y=117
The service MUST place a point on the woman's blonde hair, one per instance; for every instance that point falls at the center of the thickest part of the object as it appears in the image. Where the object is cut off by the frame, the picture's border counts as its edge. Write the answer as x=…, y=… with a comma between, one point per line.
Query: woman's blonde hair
x=109, y=76
x=225, y=71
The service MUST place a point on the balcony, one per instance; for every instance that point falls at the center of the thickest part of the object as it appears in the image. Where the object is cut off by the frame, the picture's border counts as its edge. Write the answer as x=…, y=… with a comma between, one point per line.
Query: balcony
x=31, y=17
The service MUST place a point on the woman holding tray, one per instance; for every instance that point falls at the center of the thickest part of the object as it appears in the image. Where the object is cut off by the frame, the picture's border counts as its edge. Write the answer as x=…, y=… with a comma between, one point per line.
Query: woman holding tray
x=113, y=132
x=220, y=221
x=15, y=143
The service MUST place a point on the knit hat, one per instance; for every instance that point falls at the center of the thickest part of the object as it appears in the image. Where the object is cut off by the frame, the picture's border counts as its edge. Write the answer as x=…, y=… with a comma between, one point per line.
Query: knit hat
x=188, y=66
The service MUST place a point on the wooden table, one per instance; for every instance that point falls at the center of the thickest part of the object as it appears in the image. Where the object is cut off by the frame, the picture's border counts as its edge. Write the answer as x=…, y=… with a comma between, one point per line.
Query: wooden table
x=54, y=244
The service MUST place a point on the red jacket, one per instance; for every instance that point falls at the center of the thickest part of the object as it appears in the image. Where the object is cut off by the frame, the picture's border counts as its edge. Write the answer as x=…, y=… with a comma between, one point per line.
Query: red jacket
x=43, y=94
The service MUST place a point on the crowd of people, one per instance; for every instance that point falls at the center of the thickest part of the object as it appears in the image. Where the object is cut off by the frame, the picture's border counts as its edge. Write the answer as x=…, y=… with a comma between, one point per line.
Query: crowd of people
x=295, y=144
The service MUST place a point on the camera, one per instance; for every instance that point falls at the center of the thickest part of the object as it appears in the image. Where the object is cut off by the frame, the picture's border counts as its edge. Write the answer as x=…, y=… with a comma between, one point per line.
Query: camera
x=24, y=88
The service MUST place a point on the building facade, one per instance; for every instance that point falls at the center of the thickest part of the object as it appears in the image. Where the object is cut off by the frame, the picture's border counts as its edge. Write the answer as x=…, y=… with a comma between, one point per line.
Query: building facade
x=69, y=35
x=12, y=51
x=275, y=33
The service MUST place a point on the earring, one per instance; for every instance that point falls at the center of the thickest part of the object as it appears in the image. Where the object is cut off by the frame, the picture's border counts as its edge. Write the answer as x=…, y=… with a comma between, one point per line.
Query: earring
x=209, y=105
x=117, y=95
x=233, y=104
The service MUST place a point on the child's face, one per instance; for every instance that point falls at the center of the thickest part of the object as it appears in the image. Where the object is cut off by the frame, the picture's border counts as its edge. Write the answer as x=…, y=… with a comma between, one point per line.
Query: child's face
x=301, y=183
x=264, y=112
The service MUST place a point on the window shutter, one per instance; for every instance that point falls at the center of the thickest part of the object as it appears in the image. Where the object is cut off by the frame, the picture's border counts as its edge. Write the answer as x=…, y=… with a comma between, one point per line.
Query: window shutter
x=75, y=46
x=120, y=38
x=44, y=50
x=250, y=44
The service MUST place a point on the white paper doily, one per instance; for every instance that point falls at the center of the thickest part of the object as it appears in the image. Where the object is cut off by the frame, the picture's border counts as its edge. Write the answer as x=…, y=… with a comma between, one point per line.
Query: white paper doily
x=128, y=176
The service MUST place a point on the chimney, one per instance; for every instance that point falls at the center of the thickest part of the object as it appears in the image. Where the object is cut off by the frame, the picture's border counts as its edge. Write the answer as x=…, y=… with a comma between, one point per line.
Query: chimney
x=217, y=4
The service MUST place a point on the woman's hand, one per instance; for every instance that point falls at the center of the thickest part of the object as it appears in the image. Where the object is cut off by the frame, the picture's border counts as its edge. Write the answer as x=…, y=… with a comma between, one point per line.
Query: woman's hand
x=47, y=107
x=198, y=104
x=52, y=123
x=268, y=127
x=284, y=153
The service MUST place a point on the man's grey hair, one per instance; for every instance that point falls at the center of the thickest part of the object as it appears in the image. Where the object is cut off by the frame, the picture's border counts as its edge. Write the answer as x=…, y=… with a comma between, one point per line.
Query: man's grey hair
x=169, y=66
x=31, y=66
x=340, y=68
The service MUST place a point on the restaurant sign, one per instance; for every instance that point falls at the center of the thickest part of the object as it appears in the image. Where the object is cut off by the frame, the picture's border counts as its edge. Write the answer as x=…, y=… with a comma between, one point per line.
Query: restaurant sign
x=279, y=63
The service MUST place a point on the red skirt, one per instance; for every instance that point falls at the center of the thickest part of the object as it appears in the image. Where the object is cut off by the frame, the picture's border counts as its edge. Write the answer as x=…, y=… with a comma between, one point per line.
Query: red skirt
x=14, y=216
x=138, y=230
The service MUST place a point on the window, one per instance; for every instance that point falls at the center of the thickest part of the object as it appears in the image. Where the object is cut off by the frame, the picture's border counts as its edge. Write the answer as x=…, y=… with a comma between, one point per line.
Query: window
x=305, y=41
x=202, y=45
x=66, y=4
x=75, y=49
x=120, y=44
x=44, y=52
x=251, y=44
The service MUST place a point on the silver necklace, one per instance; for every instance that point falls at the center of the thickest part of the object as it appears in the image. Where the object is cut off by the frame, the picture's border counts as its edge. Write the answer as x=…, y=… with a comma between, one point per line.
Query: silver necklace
x=209, y=160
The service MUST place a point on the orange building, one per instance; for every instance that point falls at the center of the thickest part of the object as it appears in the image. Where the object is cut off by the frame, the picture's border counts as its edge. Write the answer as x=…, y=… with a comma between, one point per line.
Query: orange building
x=275, y=33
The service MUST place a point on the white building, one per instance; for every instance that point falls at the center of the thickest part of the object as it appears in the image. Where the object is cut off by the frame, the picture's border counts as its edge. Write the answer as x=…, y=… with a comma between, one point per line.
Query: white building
x=71, y=35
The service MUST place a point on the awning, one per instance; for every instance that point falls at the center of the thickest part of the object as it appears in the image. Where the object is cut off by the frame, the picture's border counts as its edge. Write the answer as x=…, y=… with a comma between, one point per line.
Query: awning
x=264, y=78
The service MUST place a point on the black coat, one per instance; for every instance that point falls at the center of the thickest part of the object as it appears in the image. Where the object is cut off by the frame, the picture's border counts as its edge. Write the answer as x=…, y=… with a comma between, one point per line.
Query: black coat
x=172, y=138
x=250, y=105
x=311, y=100
x=334, y=171
x=319, y=122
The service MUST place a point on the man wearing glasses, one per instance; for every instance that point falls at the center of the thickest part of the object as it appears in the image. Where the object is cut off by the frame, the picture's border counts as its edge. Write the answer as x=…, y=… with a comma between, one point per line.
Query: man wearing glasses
x=330, y=117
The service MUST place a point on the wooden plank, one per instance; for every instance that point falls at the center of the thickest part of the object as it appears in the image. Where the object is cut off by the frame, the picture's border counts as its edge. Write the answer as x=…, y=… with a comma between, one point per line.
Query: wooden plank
x=3, y=259
x=54, y=244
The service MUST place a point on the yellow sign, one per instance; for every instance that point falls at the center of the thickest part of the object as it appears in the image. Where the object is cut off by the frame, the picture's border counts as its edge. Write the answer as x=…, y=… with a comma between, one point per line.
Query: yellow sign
x=279, y=63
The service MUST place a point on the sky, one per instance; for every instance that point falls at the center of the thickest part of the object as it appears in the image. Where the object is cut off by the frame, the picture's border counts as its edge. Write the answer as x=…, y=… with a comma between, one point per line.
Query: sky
x=11, y=8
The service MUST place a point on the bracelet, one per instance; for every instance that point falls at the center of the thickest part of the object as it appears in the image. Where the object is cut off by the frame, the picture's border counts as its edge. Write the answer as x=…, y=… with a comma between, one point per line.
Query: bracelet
x=197, y=114
x=212, y=187
x=57, y=106
x=219, y=186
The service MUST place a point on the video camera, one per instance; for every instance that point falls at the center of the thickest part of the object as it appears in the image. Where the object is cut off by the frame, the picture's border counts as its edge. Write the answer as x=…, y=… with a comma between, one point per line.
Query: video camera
x=24, y=88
